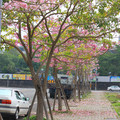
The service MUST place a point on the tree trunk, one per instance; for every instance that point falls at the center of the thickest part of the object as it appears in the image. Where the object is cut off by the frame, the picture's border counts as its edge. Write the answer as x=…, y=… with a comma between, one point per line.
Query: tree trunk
x=82, y=77
x=74, y=94
x=47, y=68
x=59, y=99
x=54, y=100
x=79, y=90
x=30, y=109
x=51, y=115
x=39, y=115
x=58, y=89
x=64, y=96
x=75, y=87
x=79, y=98
x=1, y=117
x=88, y=84
x=39, y=111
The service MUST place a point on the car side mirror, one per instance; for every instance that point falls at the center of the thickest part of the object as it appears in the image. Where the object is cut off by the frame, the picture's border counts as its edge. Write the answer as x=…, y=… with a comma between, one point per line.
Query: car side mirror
x=27, y=99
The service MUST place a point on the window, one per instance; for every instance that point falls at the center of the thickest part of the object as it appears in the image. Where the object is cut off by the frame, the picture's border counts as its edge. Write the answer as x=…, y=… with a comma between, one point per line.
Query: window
x=22, y=96
x=5, y=92
x=64, y=77
x=17, y=95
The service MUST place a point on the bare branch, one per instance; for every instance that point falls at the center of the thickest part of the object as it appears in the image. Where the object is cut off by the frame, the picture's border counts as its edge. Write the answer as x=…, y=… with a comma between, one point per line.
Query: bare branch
x=19, y=35
x=48, y=31
x=67, y=15
x=36, y=51
x=30, y=37
x=41, y=65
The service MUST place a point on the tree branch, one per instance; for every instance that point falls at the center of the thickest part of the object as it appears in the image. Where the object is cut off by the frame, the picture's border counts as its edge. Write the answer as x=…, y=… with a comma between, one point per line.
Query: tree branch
x=78, y=37
x=19, y=35
x=8, y=43
x=36, y=51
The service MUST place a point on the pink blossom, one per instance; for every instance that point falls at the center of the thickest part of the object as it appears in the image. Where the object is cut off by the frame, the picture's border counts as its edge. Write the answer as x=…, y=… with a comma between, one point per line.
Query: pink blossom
x=90, y=5
x=59, y=67
x=56, y=50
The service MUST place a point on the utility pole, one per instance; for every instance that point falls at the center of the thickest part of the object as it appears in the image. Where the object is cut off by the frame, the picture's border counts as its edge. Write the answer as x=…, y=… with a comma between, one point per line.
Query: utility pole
x=0, y=18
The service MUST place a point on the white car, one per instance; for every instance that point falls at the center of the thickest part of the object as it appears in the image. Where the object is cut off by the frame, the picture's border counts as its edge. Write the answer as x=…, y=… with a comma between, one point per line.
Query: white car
x=114, y=88
x=13, y=102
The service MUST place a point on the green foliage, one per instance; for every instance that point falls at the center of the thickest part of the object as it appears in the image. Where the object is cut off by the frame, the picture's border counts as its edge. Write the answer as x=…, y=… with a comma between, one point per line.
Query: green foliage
x=110, y=62
x=7, y=63
x=33, y=118
x=114, y=98
x=12, y=62
x=5, y=1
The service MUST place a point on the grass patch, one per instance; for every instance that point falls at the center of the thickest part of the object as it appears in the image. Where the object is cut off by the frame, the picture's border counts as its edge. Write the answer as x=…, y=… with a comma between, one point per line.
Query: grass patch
x=114, y=98
x=68, y=112
x=33, y=118
x=86, y=95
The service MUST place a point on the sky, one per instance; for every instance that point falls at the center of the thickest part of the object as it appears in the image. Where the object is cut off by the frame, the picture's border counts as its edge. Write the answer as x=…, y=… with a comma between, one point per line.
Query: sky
x=116, y=37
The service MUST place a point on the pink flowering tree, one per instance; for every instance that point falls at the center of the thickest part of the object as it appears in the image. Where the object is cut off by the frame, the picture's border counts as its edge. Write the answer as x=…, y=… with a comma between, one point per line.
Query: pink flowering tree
x=78, y=56
x=40, y=26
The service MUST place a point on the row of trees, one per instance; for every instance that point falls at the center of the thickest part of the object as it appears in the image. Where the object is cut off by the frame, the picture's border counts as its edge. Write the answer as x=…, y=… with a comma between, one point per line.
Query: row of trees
x=67, y=34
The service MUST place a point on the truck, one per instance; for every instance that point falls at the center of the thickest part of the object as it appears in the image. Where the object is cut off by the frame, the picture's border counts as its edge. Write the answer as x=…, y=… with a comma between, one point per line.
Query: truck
x=66, y=82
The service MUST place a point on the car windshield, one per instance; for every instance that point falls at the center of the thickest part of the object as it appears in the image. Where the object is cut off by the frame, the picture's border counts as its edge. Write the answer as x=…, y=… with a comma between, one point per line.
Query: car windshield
x=115, y=86
x=5, y=92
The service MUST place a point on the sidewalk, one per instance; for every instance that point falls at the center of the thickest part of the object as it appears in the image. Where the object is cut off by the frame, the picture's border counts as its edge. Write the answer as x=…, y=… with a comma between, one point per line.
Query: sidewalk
x=95, y=107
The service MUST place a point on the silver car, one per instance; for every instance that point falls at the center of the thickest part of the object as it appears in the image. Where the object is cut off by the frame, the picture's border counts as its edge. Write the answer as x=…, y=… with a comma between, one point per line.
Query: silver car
x=13, y=102
x=114, y=88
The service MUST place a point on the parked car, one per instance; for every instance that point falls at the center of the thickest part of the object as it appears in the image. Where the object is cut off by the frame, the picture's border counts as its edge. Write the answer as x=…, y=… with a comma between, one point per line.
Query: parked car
x=113, y=88
x=13, y=103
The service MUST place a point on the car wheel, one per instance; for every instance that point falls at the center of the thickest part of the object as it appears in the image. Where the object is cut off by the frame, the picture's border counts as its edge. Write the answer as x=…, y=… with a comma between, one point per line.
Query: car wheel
x=68, y=96
x=16, y=115
x=52, y=95
x=110, y=90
